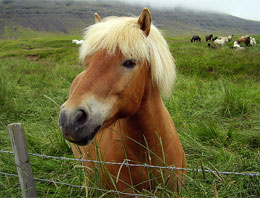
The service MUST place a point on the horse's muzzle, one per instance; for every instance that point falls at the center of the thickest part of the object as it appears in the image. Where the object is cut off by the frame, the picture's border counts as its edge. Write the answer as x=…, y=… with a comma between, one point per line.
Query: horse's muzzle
x=76, y=126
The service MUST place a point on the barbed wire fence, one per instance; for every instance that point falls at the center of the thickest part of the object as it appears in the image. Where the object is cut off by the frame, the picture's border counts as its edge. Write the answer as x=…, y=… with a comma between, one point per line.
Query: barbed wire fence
x=125, y=163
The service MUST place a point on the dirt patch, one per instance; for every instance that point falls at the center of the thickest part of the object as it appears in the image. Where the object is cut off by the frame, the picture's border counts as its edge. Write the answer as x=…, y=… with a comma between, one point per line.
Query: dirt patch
x=33, y=57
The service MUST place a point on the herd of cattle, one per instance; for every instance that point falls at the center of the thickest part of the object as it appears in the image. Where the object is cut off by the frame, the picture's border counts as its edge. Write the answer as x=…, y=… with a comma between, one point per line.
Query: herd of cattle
x=248, y=40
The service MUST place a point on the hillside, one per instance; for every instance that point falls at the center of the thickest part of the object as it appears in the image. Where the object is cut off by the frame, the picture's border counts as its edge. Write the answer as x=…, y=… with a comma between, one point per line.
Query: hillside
x=73, y=16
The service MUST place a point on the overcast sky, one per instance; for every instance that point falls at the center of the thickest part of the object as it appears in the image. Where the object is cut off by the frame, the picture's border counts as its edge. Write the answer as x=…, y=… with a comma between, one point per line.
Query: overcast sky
x=248, y=9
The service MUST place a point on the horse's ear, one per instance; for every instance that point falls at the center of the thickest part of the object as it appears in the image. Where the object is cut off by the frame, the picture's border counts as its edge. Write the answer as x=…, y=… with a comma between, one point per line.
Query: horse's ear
x=145, y=21
x=97, y=18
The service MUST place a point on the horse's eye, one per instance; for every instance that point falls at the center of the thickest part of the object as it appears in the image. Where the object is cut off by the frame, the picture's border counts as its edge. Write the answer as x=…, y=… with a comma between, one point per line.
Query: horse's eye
x=129, y=64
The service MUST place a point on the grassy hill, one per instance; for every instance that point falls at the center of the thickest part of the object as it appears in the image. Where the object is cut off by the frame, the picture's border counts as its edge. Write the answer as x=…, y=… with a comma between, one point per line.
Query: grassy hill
x=69, y=16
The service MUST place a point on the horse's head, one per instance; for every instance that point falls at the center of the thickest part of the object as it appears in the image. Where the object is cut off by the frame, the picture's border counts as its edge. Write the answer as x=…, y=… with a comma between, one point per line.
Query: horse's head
x=111, y=88
x=118, y=69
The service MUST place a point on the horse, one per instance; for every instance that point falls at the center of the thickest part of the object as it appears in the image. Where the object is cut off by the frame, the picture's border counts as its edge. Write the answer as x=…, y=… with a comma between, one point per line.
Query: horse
x=195, y=38
x=244, y=39
x=230, y=38
x=220, y=42
x=209, y=37
x=236, y=44
x=115, y=112
x=78, y=42
x=252, y=41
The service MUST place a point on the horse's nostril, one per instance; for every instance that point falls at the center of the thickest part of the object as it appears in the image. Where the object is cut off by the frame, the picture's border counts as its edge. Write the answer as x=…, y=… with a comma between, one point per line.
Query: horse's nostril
x=81, y=117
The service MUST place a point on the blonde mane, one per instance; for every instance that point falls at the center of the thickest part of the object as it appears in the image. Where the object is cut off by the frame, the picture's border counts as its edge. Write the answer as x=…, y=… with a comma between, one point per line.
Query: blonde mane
x=124, y=33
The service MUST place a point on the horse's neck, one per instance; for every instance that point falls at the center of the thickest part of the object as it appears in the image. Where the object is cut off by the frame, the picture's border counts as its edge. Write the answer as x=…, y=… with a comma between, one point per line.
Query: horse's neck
x=149, y=115
x=151, y=126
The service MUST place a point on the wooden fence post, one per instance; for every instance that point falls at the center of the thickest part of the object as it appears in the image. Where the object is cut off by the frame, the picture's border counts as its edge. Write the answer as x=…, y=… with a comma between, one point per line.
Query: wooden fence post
x=21, y=156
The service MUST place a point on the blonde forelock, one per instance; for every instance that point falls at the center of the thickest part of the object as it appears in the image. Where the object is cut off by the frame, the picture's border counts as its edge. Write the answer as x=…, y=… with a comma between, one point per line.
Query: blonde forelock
x=124, y=33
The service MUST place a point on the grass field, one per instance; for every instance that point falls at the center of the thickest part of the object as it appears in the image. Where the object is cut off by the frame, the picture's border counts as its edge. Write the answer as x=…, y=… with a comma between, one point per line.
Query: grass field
x=215, y=106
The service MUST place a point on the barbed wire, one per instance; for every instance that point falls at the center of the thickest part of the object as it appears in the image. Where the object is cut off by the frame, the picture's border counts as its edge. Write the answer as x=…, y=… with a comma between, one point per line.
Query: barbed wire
x=126, y=163
x=78, y=186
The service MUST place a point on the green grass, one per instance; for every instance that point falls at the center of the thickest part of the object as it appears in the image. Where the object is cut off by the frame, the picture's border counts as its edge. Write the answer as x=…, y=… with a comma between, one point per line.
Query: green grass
x=215, y=106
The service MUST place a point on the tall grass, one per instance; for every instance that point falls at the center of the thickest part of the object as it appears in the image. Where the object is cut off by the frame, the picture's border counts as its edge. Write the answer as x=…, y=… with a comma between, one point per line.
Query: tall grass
x=215, y=106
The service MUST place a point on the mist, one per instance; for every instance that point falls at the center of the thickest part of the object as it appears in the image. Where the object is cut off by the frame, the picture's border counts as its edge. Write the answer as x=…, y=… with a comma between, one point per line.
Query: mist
x=244, y=9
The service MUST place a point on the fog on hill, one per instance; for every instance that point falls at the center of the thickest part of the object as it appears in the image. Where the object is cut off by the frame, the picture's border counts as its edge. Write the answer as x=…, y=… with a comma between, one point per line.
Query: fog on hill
x=237, y=8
